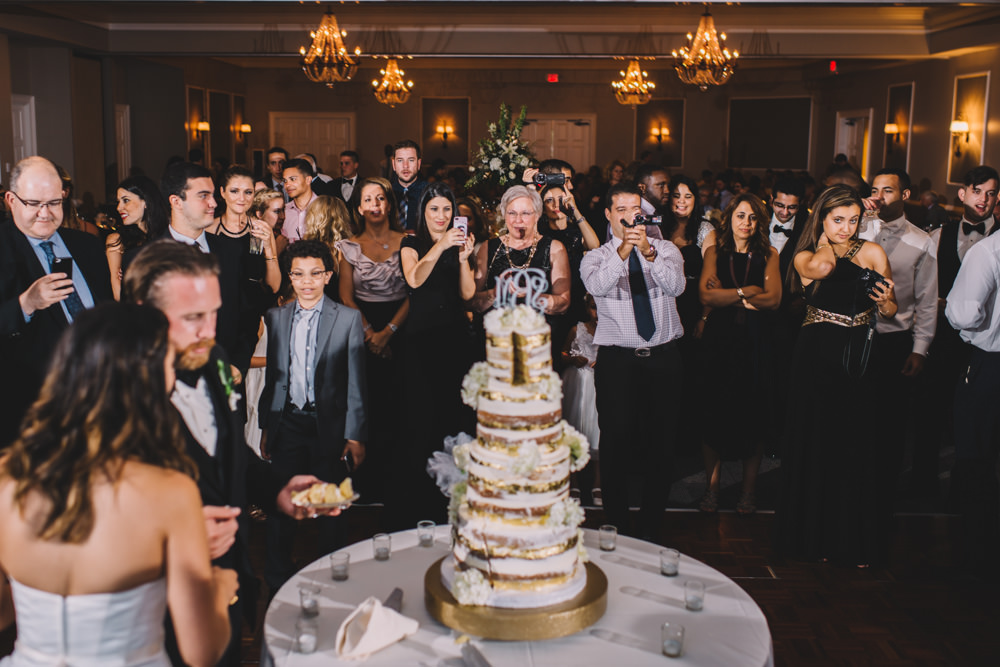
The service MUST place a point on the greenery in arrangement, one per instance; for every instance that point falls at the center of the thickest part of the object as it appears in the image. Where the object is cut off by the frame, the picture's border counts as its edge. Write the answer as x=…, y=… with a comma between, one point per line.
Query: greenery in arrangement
x=502, y=156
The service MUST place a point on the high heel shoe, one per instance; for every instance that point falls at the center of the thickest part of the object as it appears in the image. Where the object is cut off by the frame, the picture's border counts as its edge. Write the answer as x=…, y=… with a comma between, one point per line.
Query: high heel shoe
x=709, y=502
x=747, y=505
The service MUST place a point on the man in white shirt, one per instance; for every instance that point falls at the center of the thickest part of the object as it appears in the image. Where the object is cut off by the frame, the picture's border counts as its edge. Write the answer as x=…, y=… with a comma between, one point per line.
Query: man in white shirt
x=349, y=161
x=635, y=281
x=974, y=310
x=904, y=340
x=297, y=175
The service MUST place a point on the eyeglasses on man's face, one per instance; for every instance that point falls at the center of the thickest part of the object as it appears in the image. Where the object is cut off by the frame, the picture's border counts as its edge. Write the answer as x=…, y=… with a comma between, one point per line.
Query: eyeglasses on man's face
x=302, y=275
x=34, y=205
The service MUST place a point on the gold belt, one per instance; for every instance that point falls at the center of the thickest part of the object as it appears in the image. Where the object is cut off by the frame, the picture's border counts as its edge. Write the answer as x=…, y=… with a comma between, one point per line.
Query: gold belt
x=815, y=316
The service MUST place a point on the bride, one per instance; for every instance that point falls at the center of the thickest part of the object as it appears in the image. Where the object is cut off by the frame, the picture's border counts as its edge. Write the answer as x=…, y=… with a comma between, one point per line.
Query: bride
x=101, y=520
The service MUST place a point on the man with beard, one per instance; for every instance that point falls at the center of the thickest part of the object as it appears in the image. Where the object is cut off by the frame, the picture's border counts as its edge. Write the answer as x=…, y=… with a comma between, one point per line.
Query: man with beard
x=408, y=185
x=184, y=284
x=904, y=340
x=298, y=177
x=950, y=354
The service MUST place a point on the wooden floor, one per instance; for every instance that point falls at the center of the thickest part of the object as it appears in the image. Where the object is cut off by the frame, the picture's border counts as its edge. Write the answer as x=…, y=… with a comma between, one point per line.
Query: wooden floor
x=920, y=610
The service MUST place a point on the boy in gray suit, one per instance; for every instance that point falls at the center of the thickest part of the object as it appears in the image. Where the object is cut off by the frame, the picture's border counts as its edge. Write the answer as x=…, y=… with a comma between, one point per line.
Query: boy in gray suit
x=313, y=407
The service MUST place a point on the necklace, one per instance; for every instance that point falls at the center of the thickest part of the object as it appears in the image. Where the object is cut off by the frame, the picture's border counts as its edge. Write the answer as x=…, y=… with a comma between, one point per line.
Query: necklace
x=531, y=255
x=221, y=228
x=385, y=246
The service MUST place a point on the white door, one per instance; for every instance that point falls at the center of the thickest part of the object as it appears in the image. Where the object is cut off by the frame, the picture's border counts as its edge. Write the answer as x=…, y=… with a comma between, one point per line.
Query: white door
x=854, y=138
x=23, y=111
x=324, y=135
x=569, y=139
x=123, y=140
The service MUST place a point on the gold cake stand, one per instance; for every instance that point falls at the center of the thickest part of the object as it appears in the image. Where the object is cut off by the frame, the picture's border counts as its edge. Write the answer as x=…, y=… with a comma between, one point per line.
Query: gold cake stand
x=558, y=620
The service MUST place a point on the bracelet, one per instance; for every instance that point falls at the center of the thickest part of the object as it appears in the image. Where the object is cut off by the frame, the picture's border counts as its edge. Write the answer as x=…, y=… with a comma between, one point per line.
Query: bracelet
x=820, y=247
x=393, y=327
x=367, y=327
x=704, y=318
x=739, y=292
x=271, y=259
x=579, y=220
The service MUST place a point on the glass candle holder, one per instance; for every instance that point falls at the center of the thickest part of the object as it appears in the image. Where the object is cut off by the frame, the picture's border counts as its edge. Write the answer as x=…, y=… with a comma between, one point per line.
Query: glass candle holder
x=607, y=537
x=382, y=546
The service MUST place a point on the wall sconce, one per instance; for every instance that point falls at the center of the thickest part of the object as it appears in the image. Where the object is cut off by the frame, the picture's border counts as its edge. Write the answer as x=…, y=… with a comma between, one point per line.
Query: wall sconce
x=659, y=133
x=958, y=128
x=444, y=131
x=242, y=130
x=892, y=135
x=200, y=128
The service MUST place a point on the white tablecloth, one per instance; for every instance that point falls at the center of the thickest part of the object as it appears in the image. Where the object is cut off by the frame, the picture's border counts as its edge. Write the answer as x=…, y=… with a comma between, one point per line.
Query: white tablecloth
x=731, y=630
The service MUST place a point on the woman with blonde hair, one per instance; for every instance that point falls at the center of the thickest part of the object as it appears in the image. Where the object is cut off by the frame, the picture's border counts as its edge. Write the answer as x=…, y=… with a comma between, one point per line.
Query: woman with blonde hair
x=103, y=526
x=327, y=220
x=268, y=206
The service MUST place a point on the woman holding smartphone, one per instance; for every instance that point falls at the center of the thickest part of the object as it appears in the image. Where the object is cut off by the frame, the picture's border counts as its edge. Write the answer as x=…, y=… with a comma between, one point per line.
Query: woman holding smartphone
x=436, y=265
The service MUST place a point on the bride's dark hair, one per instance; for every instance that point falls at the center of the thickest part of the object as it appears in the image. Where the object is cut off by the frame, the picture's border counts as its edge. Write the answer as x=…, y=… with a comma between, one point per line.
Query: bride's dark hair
x=833, y=197
x=104, y=402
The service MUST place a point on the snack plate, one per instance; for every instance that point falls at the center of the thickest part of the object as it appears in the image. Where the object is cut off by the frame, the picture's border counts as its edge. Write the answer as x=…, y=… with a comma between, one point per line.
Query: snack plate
x=343, y=504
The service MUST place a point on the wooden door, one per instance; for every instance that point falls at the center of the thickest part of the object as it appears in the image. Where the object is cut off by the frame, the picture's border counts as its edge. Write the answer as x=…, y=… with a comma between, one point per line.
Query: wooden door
x=569, y=139
x=324, y=135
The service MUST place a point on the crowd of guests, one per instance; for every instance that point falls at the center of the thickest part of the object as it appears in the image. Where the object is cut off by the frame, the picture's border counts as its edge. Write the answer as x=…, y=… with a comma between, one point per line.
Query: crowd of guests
x=327, y=323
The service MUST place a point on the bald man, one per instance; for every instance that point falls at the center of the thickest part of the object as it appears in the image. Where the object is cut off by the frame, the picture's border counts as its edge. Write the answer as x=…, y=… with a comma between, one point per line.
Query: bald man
x=47, y=276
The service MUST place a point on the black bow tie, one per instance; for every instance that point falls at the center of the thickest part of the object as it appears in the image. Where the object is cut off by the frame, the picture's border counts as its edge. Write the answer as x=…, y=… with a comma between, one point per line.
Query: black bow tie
x=783, y=230
x=968, y=228
x=190, y=378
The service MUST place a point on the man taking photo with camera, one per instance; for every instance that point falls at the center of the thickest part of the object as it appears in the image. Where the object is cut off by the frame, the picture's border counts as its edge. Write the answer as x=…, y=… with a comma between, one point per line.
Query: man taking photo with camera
x=635, y=280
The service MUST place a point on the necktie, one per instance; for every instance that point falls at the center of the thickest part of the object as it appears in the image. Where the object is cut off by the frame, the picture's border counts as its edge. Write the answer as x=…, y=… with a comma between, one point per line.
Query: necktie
x=783, y=230
x=641, y=306
x=73, y=303
x=404, y=207
x=299, y=387
x=968, y=228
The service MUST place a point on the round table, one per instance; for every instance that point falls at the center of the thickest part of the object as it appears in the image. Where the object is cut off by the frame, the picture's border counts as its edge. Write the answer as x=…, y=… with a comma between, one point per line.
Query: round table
x=731, y=630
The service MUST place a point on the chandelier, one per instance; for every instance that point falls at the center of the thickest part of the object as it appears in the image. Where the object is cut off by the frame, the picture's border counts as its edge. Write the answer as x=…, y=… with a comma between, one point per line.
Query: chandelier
x=633, y=88
x=705, y=61
x=392, y=90
x=327, y=60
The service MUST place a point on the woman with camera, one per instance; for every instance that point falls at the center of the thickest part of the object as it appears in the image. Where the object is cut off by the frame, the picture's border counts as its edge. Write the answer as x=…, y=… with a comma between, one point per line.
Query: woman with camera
x=828, y=508
x=740, y=281
x=436, y=265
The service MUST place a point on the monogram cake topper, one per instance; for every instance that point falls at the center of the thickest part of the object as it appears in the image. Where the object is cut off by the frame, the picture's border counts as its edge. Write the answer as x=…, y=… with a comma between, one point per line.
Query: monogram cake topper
x=526, y=286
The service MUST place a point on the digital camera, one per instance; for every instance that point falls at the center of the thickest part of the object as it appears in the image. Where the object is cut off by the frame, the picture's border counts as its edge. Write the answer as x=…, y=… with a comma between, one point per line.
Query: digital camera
x=643, y=219
x=543, y=180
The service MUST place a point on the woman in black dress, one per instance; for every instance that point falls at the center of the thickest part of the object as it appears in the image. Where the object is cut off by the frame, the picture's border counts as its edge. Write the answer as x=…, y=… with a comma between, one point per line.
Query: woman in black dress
x=521, y=247
x=740, y=282
x=144, y=215
x=829, y=504
x=439, y=276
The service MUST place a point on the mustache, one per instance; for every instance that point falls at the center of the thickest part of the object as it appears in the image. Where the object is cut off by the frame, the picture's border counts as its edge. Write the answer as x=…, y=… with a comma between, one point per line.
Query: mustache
x=189, y=360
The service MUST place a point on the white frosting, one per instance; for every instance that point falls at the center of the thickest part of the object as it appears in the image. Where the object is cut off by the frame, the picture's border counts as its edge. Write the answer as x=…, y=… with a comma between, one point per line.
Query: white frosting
x=543, y=596
x=549, y=433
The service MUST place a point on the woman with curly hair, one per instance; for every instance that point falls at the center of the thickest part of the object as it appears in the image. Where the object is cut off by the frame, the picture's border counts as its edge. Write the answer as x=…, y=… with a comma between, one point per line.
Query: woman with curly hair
x=102, y=523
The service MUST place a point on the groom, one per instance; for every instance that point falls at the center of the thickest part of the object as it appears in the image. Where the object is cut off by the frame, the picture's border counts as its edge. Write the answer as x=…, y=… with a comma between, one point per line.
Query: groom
x=183, y=283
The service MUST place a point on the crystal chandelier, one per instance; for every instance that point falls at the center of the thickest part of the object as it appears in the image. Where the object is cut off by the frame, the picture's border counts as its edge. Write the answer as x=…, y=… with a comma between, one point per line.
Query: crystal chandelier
x=327, y=60
x=633, y=88
x=705, y=61
x=392, y=90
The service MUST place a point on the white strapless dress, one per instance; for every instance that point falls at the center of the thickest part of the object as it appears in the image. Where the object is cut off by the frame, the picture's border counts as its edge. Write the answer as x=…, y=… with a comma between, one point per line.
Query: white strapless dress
x=123, y=629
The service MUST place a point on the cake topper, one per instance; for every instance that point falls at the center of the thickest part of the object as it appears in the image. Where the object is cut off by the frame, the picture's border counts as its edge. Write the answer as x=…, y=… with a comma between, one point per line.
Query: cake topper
x=526, y=286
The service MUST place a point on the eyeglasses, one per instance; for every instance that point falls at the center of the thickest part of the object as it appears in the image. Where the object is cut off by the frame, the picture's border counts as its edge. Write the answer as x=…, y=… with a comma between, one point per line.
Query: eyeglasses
x=791, y=207
x=514, y=215
x=302, y=275
x=33, y=205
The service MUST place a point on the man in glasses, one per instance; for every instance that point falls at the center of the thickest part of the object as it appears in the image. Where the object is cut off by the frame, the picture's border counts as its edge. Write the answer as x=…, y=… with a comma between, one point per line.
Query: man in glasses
x=47, y=276
x=313, y=407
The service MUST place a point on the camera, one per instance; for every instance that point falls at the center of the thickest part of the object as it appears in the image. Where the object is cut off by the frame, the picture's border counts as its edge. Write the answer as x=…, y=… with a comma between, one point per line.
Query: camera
x=871, y=279
x=643, y=219
x=542, y=180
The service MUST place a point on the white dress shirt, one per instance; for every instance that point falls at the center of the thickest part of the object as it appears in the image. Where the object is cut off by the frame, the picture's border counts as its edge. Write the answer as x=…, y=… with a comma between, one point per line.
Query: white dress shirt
x=347, y=187
x=294, y=228
x=966, y=241
x=913, y=258
x=778, y=240
x=201, y=241
x=195, y=407
x=605, y=276
x=974, y=301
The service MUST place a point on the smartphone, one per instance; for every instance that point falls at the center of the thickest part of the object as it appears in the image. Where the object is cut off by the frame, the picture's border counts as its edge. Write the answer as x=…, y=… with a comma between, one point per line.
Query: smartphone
x=462, y=222
x=348, y=462
x=63, y=265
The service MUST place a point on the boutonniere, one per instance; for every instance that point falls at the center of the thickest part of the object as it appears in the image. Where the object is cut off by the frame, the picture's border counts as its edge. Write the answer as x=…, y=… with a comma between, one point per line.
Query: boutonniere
x=226, y=378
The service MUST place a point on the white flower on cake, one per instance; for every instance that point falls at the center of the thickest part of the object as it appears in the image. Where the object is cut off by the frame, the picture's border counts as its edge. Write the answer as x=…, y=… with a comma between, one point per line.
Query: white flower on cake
x=565, y=513
x=579, y=447
x=528, y=458
x=471, y=588
x=552, y=387
x=474, y=383
x=521, y=317
x=581, y=551
x=461, y=455
x=457, y=498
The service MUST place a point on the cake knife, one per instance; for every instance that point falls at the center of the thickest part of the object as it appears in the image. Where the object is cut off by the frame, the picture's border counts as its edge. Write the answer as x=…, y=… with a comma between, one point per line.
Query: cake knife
x=473, y=656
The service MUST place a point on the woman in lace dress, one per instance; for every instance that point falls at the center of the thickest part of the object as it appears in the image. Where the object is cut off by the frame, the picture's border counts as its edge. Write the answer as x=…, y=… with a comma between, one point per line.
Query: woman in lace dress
x=102, y=526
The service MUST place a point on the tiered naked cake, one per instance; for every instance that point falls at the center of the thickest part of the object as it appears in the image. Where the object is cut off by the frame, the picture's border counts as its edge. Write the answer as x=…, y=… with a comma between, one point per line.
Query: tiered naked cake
x=517, y=542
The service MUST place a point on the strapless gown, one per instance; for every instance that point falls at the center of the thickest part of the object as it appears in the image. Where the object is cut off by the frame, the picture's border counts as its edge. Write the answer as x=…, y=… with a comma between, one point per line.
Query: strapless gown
x=122, y=629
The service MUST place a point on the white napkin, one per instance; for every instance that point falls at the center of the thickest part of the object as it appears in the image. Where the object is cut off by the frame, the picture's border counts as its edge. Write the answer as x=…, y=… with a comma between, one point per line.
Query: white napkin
x=370, y=628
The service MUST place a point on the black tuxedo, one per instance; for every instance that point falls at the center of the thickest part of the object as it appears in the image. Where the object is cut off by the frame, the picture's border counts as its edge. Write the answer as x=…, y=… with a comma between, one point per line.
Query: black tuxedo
x=330, y=189
x=230, y=478
x=339, y=182
x=27, y=347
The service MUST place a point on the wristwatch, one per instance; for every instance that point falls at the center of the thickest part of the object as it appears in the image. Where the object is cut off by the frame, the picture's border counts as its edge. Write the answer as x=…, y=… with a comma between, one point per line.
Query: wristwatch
x=739, y=292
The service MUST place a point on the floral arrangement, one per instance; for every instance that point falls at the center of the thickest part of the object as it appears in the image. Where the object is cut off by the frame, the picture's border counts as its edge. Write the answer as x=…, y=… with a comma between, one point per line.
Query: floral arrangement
x=502, y=156
x=581, y=551
x=579, y=447
x=474, y=383
x=522, y=317
x=471, y=588
x=226, y=377
x=528, y=458
x=566, y=512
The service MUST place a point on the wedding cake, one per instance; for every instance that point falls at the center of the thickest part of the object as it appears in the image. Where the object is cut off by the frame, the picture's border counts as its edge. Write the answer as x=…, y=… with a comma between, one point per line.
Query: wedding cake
x=517, y=542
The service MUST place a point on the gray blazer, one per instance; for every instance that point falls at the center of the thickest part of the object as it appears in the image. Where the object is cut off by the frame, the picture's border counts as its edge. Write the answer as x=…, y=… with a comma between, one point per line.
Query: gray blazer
x=340, y=382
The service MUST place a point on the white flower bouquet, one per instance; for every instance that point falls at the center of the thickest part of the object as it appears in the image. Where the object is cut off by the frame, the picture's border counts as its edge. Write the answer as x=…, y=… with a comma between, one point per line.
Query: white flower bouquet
x=502, y=156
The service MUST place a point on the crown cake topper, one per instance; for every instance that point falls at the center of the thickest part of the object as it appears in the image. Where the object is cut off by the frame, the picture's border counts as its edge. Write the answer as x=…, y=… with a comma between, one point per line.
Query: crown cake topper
x=526, y=286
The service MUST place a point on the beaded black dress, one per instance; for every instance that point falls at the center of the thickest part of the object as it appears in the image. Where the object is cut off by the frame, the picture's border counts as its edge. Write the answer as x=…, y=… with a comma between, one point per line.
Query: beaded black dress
x=829, y=501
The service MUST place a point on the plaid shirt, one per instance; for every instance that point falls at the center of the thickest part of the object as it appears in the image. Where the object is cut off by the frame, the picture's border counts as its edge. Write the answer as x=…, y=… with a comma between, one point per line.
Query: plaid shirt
x=605, y=275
